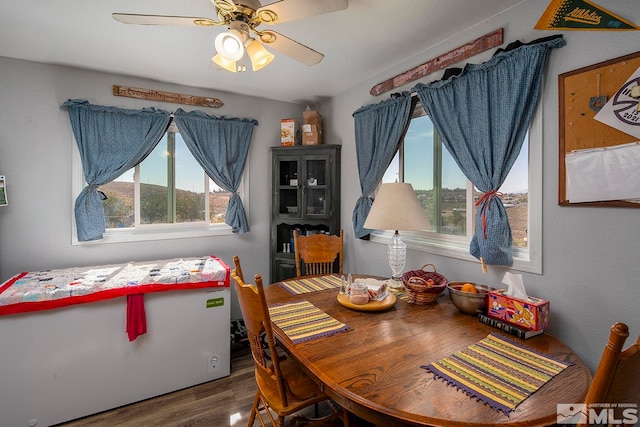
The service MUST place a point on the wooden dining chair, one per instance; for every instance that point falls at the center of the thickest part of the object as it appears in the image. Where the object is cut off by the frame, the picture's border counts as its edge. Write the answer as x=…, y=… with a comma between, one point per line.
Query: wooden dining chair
x=617, y=378
x=238, y=267
x=318, y=253
x=283, y=387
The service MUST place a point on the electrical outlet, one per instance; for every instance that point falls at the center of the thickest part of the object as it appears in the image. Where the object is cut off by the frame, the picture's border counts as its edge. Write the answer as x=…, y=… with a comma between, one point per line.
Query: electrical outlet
x=213, y=363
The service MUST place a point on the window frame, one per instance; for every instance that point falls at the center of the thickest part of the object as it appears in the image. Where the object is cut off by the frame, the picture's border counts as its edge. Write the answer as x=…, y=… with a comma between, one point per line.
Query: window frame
x=148, y=232
x=524, y=259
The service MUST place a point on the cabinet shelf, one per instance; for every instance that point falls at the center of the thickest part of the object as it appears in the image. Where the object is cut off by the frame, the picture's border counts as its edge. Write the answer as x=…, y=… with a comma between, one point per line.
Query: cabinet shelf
x=313, y=205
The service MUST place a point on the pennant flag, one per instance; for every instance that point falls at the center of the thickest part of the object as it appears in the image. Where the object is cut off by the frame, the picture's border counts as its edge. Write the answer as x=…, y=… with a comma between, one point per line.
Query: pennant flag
x=581, y=15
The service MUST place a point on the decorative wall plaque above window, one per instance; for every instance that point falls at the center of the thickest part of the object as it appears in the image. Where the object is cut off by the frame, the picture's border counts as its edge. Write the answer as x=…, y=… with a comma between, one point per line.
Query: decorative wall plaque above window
x=158, y=95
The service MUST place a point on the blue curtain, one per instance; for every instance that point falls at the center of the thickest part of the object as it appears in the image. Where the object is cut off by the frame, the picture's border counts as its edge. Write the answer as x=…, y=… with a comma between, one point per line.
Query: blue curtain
x=483, y=115
x=379, y=129
x=220, y=145
x=111, y=141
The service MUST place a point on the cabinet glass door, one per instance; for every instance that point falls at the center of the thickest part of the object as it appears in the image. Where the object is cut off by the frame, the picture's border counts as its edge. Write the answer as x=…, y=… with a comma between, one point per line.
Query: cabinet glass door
x=288, y=185
x=316, y=202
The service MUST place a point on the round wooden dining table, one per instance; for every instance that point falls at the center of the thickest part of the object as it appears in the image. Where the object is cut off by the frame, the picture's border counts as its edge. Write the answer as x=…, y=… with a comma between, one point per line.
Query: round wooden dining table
x=374, y=368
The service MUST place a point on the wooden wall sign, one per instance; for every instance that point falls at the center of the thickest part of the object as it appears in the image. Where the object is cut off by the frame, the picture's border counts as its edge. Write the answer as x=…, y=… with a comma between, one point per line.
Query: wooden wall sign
x=481, y=44
x=158, y=95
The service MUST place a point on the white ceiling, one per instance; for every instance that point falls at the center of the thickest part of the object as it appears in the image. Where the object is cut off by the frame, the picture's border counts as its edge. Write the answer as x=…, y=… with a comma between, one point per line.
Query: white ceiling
x=358, y=43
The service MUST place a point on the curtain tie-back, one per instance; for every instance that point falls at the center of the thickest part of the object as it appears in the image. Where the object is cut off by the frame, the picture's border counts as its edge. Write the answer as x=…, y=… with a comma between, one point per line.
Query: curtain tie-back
x=485, y=204
x=94, y=187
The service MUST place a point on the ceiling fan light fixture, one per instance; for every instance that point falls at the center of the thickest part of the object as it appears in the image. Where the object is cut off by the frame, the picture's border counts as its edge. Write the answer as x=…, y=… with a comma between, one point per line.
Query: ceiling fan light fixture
x=260, y=57
x=242, y=17
x=230, y=45
x=224, y=63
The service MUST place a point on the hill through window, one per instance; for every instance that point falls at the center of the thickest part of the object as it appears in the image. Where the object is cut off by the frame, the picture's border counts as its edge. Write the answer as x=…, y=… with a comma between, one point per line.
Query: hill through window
x=448, y=198
x=168, y=195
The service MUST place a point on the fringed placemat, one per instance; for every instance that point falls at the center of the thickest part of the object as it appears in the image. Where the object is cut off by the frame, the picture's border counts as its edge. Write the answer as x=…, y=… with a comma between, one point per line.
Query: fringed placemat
x=399, y=293
x=302, y=321
x=498, y=371
x=312, y=284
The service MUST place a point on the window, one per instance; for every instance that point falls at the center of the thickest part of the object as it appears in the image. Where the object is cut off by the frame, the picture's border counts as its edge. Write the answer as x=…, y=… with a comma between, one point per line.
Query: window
x=448, y=198
x=166, y=196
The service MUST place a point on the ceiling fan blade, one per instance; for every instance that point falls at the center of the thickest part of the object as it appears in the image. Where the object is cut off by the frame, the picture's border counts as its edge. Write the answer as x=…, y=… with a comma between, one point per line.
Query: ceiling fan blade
x=129, y=18
x=290, y=10
x=293, y=49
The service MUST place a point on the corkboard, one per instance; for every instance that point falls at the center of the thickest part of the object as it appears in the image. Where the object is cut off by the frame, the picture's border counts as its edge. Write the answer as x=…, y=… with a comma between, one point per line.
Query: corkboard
x=578, y=128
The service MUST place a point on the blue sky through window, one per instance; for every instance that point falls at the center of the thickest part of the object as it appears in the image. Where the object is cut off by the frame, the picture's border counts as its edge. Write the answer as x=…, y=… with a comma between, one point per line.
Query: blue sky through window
x=189, y=174
x=419, y=142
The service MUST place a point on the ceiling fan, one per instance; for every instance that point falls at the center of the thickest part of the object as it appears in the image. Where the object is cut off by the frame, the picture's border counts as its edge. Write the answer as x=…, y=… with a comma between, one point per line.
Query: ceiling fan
x=242, y=17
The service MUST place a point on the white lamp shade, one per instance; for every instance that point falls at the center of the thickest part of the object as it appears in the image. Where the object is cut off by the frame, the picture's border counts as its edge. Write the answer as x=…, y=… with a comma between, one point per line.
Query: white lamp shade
x=260, y=57
x=230, y=45
x=221, y=62
x=396, y=207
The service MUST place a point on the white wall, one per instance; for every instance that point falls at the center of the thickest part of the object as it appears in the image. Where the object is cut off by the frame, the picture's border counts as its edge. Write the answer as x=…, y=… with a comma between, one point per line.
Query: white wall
x=590, y=264
x=35, y=156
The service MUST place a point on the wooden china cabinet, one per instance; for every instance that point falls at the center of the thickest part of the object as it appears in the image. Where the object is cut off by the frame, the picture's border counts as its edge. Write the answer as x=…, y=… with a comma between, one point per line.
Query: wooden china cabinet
x=305, y=196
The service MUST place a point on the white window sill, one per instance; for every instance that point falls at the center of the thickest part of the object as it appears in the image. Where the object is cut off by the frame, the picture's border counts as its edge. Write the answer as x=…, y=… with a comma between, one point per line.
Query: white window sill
x=455, y=247
x=164, y=232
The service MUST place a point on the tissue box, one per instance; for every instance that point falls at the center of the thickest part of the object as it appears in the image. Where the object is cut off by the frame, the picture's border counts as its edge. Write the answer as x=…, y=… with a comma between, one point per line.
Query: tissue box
x=530, y=314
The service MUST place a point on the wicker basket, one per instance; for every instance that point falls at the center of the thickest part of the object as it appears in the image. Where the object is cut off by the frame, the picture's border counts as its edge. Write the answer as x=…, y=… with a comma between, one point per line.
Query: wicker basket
x=418, y=292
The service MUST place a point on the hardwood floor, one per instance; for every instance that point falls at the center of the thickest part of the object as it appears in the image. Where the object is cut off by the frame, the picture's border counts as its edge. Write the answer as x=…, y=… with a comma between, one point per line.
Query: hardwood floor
x=223, y=402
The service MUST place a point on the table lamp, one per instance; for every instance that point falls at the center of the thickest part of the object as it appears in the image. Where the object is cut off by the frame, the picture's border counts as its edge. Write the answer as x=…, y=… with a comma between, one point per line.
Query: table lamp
x=396, y=207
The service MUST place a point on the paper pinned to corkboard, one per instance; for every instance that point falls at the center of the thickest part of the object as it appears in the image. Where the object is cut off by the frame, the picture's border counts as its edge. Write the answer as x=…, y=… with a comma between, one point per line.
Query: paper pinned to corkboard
x=609, y=173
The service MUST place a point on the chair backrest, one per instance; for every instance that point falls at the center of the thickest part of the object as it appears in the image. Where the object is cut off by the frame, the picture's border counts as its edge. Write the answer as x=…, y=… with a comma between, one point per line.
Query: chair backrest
x=617, y=378
x=257, y=320
x=318, y=253
x=238, y=270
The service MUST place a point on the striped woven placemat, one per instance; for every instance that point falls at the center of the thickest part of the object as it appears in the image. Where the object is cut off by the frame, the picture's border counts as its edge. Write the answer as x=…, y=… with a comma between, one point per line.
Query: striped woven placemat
x=400, y=294
x=312, y=284
x=302, y=321
x=498, y=371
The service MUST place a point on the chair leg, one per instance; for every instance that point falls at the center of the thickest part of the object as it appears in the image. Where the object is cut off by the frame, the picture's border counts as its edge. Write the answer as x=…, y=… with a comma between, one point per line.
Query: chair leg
x=254, y=411
x=345, y=417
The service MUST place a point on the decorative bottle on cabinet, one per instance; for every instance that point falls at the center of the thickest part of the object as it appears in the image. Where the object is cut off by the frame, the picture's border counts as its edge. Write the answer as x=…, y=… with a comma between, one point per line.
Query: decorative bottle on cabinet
x=305, y=196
